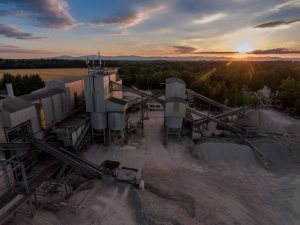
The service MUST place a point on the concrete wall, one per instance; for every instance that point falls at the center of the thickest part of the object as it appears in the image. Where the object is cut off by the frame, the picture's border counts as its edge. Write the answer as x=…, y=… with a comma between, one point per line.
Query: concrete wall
x=75, y=87
x=48, y=110
x=16, y=118
x=58, y=109
x=70, y=89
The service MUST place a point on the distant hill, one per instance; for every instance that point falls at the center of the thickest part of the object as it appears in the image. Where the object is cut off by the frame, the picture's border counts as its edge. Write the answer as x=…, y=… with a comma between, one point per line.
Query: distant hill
x=165, y=58
x=142, y=58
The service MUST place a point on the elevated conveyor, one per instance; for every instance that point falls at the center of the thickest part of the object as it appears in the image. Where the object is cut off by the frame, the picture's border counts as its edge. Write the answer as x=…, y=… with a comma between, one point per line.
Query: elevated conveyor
x=210, y=118
x=221, y=116
x=208, y=100
x=81, y=165
x=119, y=87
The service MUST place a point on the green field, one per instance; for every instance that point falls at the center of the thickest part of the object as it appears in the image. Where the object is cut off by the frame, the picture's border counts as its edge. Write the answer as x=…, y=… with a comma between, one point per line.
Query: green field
x=48, y=74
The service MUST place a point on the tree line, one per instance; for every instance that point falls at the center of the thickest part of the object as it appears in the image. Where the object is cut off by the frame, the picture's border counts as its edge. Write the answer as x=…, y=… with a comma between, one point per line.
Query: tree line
x=222, y=81
x=22, y=84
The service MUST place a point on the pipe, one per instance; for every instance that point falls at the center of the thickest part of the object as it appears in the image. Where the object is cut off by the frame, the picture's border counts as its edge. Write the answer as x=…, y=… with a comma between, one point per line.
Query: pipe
x=9, y=89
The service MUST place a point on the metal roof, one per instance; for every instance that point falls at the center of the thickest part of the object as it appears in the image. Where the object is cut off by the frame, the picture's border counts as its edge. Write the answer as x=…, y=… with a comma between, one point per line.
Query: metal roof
x=70, y=79
x=41, y=94
x=174, y=79
x=14, y=104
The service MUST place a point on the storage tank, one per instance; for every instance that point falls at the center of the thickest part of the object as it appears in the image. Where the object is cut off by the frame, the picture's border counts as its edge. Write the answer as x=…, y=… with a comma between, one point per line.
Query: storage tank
x=116, y=121
x=175, y=107
x=99, y=121
x=175, y=87
x=96, y=92
x=174, y=122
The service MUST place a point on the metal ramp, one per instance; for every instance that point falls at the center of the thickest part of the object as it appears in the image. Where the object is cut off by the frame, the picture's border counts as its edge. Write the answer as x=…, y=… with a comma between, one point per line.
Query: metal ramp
x=208, y=100
x=81, y=165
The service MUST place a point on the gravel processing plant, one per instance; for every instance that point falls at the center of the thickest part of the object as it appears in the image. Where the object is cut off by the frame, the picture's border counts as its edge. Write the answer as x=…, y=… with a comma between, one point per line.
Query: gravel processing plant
x=90, y=150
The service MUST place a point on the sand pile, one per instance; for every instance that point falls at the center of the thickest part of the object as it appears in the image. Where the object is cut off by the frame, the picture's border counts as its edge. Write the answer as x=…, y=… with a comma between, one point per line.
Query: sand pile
x=224, y=152
x=273, y=121
x=282, y=155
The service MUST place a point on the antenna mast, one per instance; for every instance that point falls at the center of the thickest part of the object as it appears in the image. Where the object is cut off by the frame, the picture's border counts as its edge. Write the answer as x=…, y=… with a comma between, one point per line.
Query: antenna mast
x=99, y=55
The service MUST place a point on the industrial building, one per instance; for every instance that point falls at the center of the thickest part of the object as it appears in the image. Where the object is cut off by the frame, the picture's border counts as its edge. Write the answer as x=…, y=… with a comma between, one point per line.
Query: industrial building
x=74, y=112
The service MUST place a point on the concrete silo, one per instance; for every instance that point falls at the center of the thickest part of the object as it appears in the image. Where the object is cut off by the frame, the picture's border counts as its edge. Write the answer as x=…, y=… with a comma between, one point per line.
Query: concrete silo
x=96, y=93
x=175, y=107
x=106, y=108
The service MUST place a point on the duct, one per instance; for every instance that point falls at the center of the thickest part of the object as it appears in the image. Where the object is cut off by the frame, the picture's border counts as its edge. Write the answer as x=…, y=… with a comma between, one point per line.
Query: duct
x=9, y=89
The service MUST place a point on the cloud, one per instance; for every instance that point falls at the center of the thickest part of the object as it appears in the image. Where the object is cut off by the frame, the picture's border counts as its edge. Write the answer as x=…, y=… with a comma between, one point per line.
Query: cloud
x=191, y=50
x=216, y=53
x=14, y=32
x=278, y=7
x=128, y=19
x=46, y=13
x=4, y=13
x=275, y=51
x=16, y=49
x=210, y=18
x=276, y=23
x=183, y=49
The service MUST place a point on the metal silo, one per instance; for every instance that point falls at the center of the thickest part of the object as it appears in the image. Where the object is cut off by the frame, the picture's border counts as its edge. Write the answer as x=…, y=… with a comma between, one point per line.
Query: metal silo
x=116, y=121
x=175, y=87
x=99, y=121
x=175, y=107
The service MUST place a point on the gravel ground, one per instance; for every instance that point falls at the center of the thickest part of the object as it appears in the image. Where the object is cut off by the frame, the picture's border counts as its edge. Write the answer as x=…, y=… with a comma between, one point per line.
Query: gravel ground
x=209, y=184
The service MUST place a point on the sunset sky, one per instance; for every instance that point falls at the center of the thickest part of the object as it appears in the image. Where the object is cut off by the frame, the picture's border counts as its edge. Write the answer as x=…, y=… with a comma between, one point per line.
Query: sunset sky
x=174, y=28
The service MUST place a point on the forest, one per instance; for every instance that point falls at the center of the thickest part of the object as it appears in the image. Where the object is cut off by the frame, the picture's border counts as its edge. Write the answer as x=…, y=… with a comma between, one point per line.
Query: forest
x=222, y=81
x=22, y=84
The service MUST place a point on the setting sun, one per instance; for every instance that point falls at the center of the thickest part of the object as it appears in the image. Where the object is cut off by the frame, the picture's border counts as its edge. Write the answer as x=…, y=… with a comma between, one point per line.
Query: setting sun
x=244, y=47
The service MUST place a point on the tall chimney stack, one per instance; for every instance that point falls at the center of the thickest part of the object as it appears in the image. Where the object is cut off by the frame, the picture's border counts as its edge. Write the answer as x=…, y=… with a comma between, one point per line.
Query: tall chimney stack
x=9, y=89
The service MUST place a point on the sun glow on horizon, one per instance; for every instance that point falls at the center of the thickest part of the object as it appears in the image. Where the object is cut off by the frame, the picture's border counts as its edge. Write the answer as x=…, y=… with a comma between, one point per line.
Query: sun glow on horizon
x=244, y=47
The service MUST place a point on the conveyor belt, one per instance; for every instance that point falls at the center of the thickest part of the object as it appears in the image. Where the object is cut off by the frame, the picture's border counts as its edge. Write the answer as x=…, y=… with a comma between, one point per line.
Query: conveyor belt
x=208, y=100
x=78, y=163
x=118, y=87
x=221, y=116
x=210, y=118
